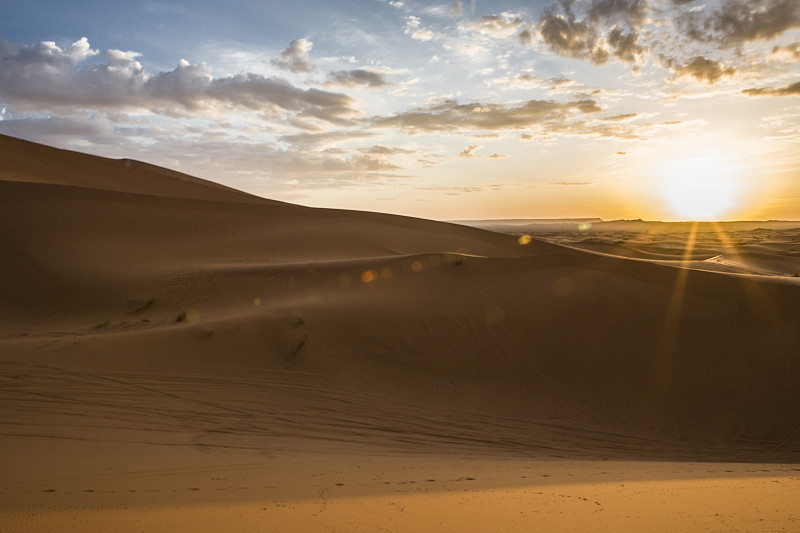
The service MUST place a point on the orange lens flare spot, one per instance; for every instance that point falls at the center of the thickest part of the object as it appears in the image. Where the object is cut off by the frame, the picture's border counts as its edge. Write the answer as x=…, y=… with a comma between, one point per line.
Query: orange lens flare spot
x=257, y=301
x=191, y=316
x=416, y=266
x=369, y=276
x=524, y=239
x=386, y=272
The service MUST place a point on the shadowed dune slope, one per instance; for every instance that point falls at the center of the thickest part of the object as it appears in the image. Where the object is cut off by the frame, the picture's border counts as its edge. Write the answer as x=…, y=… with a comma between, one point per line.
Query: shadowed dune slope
x=30, y=162
x=490, y=341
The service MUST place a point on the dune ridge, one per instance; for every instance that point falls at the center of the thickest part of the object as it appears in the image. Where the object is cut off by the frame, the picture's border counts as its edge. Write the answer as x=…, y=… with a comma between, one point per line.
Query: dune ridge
x=143, y=307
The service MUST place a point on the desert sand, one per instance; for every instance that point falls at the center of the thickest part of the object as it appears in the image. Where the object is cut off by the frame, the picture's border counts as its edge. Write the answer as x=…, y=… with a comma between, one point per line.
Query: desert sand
x=178, y=355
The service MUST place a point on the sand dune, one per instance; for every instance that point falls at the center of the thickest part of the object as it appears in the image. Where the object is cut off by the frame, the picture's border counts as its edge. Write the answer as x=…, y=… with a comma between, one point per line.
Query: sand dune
x=146, y=311
x=733, y=247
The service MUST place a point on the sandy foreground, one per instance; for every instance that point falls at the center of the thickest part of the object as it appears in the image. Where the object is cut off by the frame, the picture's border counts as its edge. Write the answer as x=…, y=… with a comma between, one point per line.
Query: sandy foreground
x=190, y=490
x=177, y=355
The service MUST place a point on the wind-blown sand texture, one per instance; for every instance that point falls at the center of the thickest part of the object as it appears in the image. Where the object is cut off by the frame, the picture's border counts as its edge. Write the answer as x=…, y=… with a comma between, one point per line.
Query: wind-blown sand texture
x=175, y=354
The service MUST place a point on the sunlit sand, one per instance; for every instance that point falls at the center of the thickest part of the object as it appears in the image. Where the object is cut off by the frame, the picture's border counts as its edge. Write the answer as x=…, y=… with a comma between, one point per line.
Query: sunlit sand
x=178, y=355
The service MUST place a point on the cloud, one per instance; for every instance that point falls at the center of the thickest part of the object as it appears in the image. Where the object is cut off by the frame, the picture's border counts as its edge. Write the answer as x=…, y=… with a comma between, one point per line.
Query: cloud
x=48, y=52
x=44, y=76
x=318, y=140
x=525, y=37
x=607, y=28
x=502, y=25
x=788, y=53
x=320, y=169
x=622, y=118
x=702, y=69
x=526, y=80
x=385, y=150
x=452, y=190
x=44, y=72
x=450, y=116
x=357, y=78
x=280, y=165
x=469, y=151
x=51, y=128
x=792, y=89
x=629, y=12
x=193, y=88
x=566, y=36
x=738, y=21
x=415, y=30
x=295, y=57
x=625, y=45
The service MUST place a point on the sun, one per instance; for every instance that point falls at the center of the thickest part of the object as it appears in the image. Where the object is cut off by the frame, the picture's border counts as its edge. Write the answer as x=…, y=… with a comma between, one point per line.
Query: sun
x=700, y=188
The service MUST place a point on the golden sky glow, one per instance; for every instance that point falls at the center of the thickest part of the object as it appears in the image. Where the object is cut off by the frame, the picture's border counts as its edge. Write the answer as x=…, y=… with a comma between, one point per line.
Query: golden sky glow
x=656, y=109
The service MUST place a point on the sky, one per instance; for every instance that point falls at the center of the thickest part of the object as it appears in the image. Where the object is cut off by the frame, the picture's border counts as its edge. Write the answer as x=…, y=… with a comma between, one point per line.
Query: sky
x=654, y=109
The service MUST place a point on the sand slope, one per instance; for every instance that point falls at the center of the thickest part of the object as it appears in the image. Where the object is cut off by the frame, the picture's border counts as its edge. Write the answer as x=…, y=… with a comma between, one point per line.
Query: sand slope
x=24, y=161
x=145, y=308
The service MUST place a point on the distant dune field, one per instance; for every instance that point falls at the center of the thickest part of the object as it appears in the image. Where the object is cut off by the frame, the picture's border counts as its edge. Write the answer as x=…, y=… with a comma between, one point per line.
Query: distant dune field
x=178, y=354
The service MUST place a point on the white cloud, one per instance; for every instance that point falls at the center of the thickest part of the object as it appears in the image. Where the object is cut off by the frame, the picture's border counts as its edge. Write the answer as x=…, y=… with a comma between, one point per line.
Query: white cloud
x=44, y=76
x=499, y=26
x=295, y=57
x=415, y=30
x=123, y=61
